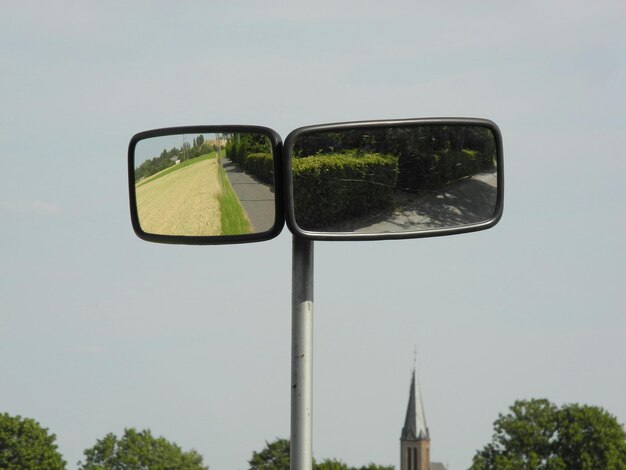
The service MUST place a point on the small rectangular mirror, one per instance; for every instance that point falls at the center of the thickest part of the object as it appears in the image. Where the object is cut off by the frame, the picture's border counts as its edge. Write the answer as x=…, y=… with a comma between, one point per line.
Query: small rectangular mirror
x=206, y=184
x=394, y=179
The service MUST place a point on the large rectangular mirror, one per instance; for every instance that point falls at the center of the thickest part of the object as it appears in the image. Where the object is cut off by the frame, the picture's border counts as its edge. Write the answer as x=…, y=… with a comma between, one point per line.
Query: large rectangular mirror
x=206, y=184
x=394, y=179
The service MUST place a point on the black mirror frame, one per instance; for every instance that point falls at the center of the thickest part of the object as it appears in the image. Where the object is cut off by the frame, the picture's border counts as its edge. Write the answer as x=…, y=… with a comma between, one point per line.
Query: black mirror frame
x=277, y=149
x=287, y=172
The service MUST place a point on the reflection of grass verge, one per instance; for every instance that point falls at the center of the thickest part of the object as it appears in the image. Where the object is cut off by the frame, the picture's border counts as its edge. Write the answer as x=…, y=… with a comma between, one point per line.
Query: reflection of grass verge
x=173, y=168
x=233, y=217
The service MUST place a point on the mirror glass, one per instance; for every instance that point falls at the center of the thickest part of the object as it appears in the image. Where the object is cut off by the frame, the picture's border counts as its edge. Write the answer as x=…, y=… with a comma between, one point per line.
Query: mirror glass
x=206, y=184
x=394, y=179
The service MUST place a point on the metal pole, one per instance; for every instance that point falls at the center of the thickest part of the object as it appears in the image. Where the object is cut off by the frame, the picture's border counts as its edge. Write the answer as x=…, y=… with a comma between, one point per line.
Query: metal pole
x=301, y=451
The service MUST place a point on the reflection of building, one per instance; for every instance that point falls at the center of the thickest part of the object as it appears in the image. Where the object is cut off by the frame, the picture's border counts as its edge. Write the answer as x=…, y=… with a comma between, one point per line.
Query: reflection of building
x=415, y=439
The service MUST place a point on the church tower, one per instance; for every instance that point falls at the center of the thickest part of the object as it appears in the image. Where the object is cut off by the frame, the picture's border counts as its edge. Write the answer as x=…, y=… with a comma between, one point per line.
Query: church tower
x=415, y=441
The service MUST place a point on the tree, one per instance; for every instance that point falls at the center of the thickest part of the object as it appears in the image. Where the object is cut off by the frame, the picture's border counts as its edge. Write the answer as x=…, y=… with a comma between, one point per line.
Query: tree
x=540, y=436
x=25, y=445
x=589, y=438
x=139, y=451
x=373, y=466
x=334, y=464
x=331, y=464
x=275, y=456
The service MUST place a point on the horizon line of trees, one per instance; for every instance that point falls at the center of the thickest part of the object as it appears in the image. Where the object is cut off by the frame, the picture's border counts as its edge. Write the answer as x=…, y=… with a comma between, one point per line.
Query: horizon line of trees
x=534, y=435
x=167, y=158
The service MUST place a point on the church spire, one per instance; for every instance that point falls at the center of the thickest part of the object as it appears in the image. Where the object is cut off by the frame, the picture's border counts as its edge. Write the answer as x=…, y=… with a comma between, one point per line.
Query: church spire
x=415, y=440
x=415, y=428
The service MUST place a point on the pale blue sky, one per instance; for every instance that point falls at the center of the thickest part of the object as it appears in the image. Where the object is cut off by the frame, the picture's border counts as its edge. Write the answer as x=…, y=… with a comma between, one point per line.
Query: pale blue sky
x=100, y=330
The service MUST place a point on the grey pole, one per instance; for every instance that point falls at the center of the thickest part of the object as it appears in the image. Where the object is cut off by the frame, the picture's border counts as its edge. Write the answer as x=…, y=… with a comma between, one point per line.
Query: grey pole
x=301, y=451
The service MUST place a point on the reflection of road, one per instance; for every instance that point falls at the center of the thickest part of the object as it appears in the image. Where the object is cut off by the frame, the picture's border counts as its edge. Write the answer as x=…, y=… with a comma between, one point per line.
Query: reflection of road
x=256, y=198
x=470, y=200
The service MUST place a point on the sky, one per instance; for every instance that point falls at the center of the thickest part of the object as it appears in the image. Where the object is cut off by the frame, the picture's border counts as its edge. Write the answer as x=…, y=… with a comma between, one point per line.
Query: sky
x=100, y=331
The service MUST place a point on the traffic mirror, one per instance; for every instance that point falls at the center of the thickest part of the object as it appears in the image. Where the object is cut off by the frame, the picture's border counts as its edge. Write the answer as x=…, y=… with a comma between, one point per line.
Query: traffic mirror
x=393, y=179
x=206, y=184
x=360, y=180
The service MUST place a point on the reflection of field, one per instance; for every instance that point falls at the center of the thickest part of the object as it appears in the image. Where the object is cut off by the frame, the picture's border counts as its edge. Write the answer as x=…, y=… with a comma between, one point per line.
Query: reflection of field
x=183, y=202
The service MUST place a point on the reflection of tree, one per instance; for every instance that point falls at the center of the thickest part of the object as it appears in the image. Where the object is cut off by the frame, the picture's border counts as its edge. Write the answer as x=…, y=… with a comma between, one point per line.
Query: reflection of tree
x=398, y=140
x=239, y=145
x=428, y=154
x=168, y=158
x=253, y=153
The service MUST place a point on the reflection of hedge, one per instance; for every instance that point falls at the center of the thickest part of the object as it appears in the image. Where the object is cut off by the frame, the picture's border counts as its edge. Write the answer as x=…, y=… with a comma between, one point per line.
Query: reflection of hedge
x=260, y=165
x=331, y=187
x=235, y=151
x=429, y=170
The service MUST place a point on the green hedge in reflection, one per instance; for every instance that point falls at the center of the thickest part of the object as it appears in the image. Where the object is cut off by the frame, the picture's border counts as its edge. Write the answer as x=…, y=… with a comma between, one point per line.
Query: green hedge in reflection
x=332, y=187
x=240, y=145
x=260, y=165
x=235, y=151
x=252, y=153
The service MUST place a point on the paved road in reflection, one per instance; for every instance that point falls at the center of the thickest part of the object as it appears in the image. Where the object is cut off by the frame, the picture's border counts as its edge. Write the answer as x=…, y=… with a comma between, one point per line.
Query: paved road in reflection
x=468, y=201
x=256, y=197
